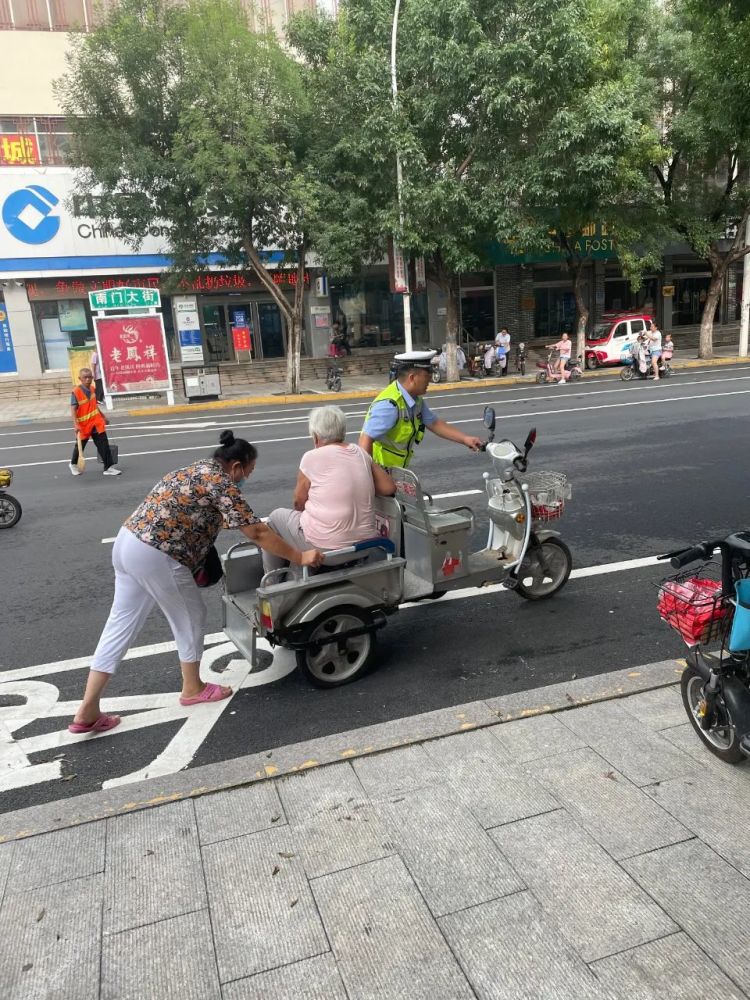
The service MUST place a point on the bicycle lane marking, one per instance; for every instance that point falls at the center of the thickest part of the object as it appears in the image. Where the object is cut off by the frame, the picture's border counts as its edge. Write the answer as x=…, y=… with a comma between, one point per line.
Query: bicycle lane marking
x=42, y=702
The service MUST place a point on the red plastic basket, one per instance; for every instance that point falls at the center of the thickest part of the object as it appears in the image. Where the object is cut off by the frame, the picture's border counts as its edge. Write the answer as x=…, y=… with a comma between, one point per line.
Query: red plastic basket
x=694, y=607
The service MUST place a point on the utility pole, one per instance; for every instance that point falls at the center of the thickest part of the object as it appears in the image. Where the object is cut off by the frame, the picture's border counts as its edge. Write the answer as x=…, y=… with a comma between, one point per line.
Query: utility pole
x=745, y=307
x=399, y=177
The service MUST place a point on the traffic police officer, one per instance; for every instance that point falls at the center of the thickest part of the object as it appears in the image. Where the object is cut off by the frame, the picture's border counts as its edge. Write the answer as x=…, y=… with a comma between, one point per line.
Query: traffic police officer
x=397, y=418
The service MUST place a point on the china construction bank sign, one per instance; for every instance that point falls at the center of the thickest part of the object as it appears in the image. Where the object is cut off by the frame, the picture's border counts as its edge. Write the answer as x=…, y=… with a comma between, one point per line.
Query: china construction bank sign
x=41, y=218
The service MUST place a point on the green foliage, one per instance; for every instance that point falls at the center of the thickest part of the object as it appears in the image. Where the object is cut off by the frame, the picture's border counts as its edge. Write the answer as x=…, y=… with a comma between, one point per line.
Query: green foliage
x=200, y=123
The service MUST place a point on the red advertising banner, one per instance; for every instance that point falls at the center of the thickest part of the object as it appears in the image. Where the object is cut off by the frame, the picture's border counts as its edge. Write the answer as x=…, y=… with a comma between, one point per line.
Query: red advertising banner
x=19, y=151
x=241, y=338
x=397, y=268
x=133, y=352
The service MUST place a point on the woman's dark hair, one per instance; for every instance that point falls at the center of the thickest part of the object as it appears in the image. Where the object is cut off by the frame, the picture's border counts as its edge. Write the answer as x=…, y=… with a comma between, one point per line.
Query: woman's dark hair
x=232, y=449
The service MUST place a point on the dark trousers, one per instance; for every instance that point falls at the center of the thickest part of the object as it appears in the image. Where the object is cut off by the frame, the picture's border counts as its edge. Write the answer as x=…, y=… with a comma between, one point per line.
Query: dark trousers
x=102, y=446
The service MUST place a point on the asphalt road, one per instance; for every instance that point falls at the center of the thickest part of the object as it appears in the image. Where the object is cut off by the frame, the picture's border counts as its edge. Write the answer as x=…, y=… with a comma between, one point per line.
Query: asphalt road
x=653, y=467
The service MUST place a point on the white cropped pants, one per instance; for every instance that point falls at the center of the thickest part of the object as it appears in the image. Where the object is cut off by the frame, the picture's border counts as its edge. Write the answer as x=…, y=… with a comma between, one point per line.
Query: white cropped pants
x=144, y=576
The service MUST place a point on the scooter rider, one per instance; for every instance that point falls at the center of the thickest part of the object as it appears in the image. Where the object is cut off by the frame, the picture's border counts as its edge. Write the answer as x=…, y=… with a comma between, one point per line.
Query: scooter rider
x=397, y=418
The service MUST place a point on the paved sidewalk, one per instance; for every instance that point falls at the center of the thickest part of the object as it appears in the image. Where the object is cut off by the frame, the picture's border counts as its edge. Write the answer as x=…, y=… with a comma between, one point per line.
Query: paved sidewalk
x=572, y=842
x=312, y=391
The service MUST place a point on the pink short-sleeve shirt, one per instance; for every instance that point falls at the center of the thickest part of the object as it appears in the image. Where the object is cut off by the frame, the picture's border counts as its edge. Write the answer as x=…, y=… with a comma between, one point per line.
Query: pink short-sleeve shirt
x=339, y=509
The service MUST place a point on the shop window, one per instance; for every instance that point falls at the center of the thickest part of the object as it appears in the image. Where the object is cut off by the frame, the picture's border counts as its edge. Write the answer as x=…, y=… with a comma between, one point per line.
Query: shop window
x=67, y=15
x=27, y=141
x=689, y=301
x=62, y=324
x=554, y=312
x=30, y=15
x=374, y=317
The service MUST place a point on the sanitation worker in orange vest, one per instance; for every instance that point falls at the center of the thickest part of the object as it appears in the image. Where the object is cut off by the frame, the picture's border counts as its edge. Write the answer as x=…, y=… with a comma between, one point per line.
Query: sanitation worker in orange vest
x=90, y=422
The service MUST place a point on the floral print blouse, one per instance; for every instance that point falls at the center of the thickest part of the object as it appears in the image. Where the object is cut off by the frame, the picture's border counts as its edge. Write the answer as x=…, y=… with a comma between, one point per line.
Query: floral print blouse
x=184, y=512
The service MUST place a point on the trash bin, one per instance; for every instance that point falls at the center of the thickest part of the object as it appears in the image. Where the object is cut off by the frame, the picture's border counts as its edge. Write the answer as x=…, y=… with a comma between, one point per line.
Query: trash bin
x=201, y=383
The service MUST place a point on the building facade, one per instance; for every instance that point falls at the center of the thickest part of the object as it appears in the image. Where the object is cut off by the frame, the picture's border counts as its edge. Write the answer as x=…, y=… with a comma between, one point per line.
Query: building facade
x=53, y=252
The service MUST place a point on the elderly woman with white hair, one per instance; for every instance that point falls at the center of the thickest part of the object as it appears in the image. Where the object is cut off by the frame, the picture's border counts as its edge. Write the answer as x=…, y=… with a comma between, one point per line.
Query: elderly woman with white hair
x=335, y=492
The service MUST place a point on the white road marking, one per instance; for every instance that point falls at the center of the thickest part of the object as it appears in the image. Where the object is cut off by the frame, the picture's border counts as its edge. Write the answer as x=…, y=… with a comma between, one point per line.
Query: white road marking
x=301, y=418
x=42, y=700
x=471, y=420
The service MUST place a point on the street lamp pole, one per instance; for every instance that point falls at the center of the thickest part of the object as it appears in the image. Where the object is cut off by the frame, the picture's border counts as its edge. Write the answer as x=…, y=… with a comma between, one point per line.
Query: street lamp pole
x=399, y=176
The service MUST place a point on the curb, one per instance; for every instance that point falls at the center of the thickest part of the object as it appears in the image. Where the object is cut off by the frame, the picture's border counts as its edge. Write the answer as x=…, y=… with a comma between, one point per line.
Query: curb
x=332, y=397
x=334, y=749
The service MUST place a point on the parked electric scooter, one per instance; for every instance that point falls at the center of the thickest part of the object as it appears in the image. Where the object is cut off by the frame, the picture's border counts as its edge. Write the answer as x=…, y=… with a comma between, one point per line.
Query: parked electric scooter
x=330, y=618
x=710, y=606
x=10, y=508
x=549, y=372
x=333, y=378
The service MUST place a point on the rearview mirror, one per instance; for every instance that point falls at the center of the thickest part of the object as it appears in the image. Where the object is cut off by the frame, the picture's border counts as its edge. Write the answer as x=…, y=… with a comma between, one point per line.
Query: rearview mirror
x=489, y=418
x=530, y=441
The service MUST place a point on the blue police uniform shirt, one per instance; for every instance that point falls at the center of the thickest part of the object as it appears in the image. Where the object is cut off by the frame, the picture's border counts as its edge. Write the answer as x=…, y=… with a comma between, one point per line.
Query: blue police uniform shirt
x=383, y=415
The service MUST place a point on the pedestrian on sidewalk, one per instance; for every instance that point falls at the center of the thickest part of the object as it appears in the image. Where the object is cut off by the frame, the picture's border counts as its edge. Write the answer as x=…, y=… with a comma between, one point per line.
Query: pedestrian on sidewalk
x=398, y=416
x=89, y=422
x=159, y=550
x=96, y=368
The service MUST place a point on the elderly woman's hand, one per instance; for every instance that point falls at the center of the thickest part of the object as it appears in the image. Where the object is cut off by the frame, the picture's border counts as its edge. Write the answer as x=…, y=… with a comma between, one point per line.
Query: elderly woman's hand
x=312, y=558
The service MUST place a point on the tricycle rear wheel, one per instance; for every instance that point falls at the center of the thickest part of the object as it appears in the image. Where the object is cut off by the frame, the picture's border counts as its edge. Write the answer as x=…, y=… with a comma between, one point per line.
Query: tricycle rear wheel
x=537, y=582
x=336, y=663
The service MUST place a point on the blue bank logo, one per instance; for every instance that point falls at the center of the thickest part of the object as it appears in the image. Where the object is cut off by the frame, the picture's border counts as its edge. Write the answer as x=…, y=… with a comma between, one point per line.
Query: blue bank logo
x=28, y=217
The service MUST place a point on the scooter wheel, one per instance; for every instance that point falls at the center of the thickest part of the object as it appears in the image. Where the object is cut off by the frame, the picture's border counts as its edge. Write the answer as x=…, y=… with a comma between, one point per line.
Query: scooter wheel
x=337, y=663
x=435, y=377
x=575, y=376
x=10, y=511
x=336, y=386
x=541, y=378
x=721, y=739
x=626, y=374
x=539, y=578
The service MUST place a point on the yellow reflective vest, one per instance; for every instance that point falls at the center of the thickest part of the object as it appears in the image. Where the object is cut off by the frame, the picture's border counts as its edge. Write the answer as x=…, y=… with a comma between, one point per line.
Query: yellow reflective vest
x=395, y=447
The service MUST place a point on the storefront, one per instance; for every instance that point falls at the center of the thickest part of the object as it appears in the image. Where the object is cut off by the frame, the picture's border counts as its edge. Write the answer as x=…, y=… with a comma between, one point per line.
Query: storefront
x=373, y=316
x=227, y=304
x=52, y=254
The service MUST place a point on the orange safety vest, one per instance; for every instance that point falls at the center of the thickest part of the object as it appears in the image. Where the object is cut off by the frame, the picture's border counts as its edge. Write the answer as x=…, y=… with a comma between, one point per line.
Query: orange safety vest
x=88, y=416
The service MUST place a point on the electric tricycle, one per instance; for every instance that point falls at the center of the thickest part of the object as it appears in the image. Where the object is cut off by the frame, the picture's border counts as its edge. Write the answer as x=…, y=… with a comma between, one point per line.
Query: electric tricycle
x=330, y=618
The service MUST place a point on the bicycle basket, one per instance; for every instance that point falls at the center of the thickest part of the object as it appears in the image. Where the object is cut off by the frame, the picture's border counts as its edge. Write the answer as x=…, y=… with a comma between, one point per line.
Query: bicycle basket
x=548, y=492
x=692, y=604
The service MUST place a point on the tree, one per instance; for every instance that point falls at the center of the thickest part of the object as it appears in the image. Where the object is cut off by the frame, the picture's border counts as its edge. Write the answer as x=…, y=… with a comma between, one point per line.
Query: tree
x=468, y=72
x=582, y=157
x=184, y=117
x=703, y=135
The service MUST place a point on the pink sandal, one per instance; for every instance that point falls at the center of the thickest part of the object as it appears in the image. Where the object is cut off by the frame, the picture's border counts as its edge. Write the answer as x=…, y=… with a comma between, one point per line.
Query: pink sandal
x=102, y=724
x=211, y=692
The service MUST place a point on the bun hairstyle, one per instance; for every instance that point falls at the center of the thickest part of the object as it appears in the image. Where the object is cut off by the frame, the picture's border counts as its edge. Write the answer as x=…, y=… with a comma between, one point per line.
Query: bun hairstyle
x=232, y=449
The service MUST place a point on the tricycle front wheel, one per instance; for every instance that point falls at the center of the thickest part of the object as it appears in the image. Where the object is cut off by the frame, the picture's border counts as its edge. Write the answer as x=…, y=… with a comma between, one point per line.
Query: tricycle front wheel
x=329, y=664
x=544, y=570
